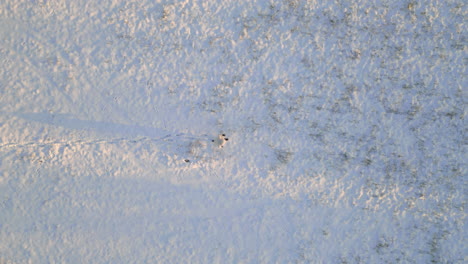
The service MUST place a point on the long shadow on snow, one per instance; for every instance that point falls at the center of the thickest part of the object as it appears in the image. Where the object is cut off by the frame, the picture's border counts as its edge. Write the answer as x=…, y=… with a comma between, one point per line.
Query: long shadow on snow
x=69, y=122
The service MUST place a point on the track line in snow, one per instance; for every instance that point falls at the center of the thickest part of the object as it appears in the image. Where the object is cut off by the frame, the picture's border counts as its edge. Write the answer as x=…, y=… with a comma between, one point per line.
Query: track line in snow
x=167, y=138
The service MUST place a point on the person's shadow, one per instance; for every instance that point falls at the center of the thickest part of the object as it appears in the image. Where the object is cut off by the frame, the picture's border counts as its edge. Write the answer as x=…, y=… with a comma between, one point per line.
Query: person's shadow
x=70, y=122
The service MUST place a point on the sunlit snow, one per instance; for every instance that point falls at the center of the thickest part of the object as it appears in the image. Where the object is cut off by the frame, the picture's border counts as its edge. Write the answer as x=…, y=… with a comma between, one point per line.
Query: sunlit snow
x=252, y=131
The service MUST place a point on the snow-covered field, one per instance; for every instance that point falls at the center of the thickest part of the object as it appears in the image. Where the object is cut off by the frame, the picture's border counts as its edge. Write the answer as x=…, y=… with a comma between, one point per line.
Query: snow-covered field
x=346, y=123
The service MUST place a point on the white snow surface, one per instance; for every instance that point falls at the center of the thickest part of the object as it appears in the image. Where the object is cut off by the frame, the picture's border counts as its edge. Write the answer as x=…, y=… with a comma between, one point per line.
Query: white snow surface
x=346, y=123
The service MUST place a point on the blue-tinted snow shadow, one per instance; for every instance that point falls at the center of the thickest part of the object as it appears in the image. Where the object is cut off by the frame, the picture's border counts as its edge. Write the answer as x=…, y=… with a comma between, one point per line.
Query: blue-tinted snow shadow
x=69, y=122
x=147, y=215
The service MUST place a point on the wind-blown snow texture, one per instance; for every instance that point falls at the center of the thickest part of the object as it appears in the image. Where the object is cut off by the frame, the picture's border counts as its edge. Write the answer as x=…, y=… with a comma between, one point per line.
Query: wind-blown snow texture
x=346, y=123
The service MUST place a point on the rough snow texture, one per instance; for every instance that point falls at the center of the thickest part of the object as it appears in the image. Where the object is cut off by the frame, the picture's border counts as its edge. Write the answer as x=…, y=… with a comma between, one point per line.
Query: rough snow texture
x=346, y=123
